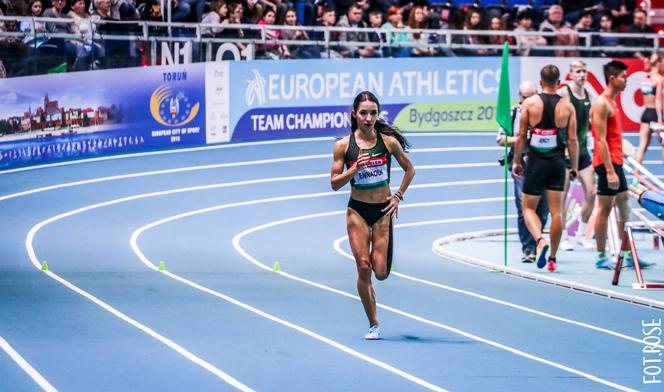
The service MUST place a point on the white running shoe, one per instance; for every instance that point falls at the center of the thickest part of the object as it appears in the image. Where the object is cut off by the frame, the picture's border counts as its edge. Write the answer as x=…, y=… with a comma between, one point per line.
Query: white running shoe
x=567, y=244
x=374, y=333
x=585, y=243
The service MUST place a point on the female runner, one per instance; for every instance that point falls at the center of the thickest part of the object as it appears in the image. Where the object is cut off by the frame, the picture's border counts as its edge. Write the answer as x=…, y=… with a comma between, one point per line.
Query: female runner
x=366, y=153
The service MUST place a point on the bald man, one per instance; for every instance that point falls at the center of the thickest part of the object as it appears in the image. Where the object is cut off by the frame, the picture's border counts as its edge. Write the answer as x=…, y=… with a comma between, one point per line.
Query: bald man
x=528, y=244
x=552, y=123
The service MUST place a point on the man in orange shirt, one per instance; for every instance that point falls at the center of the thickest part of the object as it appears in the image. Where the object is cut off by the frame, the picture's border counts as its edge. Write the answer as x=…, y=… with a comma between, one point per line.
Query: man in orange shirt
x=608, y=161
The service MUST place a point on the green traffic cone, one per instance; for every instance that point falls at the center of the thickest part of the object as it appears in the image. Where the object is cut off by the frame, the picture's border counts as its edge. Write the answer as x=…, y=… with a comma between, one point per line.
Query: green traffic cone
x=44, y=266
x=162, y=266
x=276, y=267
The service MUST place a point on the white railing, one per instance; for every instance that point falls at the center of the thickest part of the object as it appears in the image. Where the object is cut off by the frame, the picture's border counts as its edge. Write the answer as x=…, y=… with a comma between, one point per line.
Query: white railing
x=444, y=40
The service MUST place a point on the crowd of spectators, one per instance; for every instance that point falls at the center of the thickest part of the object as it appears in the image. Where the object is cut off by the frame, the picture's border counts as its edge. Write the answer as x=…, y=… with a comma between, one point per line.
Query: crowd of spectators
x=565, y=18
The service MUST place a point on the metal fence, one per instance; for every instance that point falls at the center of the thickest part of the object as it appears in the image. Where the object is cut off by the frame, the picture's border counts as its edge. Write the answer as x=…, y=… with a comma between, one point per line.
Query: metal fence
x=151, y=43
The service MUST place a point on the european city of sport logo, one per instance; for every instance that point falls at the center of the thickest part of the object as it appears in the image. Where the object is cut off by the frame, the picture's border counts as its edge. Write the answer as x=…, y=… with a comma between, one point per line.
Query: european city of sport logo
x=172, y=109
x=255, y=90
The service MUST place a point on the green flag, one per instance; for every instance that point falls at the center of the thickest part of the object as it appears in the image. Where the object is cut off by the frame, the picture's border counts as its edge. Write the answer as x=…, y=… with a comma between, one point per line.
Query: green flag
x=503, y=110
x=58, y=69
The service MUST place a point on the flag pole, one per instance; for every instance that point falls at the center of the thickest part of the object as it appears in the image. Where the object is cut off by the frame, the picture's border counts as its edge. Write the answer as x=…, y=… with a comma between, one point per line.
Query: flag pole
x=504, y=119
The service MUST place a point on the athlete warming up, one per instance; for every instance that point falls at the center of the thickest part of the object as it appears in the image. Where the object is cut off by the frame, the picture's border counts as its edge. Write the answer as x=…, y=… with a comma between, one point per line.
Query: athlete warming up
x=366, y=154
x=580, y=98
x=553, y=129
x=608, y=163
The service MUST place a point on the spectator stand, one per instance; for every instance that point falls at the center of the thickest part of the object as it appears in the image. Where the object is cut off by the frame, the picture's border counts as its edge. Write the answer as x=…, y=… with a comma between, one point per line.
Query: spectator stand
x=147, y=39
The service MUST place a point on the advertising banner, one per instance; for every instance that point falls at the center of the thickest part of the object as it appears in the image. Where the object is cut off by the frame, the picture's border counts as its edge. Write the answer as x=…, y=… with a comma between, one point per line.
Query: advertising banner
x=85, y=114
x=629, y=101
x=312, y=97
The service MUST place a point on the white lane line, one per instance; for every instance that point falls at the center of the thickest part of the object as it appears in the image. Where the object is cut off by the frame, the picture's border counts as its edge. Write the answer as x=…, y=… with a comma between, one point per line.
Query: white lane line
x=236, y=164
x=168, y=342
x=160, y=172
x=20, y=361
x=337, y=247
x=288, y=324
x=33, y=231
x=241, y=251
x=440, y=249
x=217, y=147
x=251, y=259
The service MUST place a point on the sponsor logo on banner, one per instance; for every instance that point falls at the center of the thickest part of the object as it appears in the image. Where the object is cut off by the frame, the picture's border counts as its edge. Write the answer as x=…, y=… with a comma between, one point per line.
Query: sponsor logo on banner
x=255, y=90
x=629, y=101
x=169, y=107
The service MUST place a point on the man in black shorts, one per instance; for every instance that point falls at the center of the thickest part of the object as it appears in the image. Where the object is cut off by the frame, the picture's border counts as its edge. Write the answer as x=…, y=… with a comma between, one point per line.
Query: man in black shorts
x=580, y=98
x=552, y=123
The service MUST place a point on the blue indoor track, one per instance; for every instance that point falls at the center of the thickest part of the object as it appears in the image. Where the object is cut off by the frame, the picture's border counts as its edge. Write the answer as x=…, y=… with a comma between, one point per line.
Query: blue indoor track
x=218, y=317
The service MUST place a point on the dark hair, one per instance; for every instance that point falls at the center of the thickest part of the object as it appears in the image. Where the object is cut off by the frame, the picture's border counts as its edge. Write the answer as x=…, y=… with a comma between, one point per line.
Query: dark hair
x=641, y=10
x=381, y=126
x=550, y=75
x=607, y=15
x=614, y=68
x=267, y=11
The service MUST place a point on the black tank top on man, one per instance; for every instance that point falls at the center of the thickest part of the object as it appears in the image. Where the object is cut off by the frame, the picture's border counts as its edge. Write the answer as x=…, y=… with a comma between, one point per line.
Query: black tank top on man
x=546, y=140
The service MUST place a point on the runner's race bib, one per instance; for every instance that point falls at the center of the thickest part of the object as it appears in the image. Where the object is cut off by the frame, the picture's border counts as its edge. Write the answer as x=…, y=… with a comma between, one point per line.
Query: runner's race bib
x=647, y=88
x=544, y=140
x=375, y=174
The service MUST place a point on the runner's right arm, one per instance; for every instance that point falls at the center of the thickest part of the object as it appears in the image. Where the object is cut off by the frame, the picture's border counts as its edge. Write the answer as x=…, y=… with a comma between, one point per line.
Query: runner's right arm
x=339, y=177
x=522, y=138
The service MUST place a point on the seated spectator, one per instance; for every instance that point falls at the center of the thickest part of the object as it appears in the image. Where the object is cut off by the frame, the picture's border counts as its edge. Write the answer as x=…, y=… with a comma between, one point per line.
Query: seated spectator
x=305, y=11
x=235, y=12
x=35, y=10
x=524, y=22
x=254, y=10
x=180, y=11
x=297, y=51
x=605, y=26
x=216, y=17
x=395, y=21
x=618, y=11
x=85, y=29
x=376, y=21
x=13, y=53
x=354, y=19
x=417, y=21
x=70, y=47
x=328, y=18
x=121, y=10
x=574, y=9
x=585, y=25
x=565, y=34
x=119, y=53
x=473, y=22
x=496, y=24
x=270, y=51
x=639, y=26
x=444, y=19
